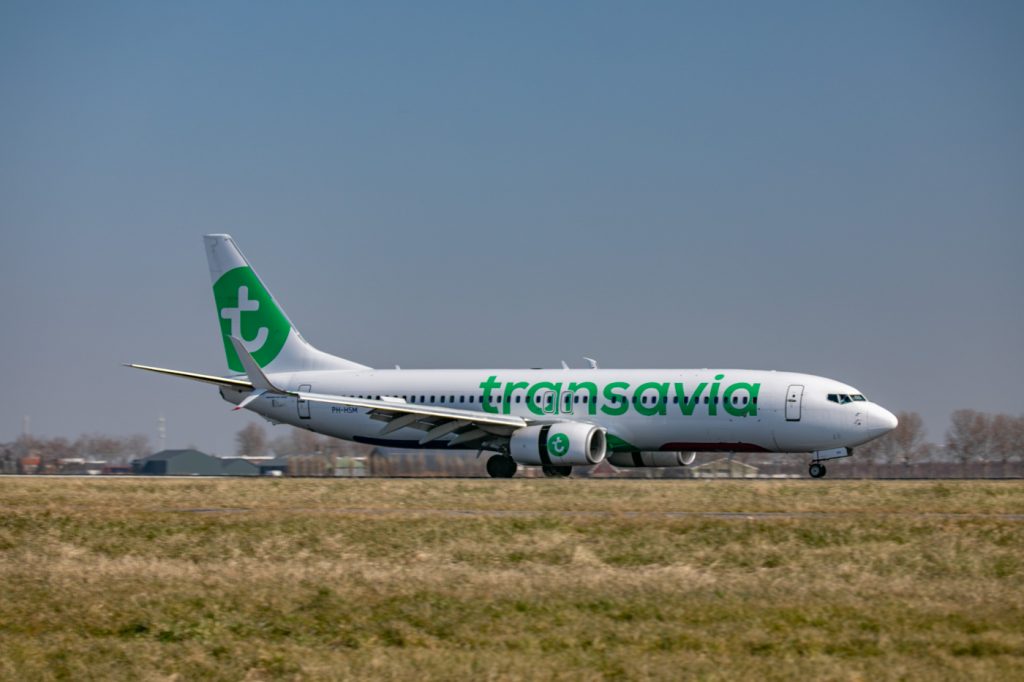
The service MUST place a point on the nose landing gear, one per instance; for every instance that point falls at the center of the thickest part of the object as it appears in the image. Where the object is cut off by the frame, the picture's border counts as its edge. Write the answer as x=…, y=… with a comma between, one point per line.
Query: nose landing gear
x=817, y=469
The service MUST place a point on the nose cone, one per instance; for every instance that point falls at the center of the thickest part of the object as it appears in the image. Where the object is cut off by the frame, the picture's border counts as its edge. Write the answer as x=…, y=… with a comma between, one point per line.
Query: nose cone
x=881, y=421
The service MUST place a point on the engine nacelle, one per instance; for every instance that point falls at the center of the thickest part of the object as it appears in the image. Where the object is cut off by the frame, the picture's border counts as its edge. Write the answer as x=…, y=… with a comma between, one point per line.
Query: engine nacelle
x=563, y=444
x=626, y=460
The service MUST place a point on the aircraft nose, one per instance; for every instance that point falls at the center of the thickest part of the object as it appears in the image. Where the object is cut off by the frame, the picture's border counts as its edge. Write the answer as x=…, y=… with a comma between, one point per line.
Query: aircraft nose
x=881, y=421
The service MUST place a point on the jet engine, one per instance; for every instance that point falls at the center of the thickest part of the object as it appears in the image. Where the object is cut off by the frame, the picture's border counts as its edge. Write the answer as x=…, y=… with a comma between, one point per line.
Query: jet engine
x=563, y=444
x=627, y=460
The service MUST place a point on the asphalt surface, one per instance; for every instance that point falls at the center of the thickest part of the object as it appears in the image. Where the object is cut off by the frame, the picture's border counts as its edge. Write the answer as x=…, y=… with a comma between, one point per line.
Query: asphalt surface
x=523, y=513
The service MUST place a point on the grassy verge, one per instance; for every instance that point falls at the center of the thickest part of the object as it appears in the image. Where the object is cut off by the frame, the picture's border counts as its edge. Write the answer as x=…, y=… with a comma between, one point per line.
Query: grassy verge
x=115, y=579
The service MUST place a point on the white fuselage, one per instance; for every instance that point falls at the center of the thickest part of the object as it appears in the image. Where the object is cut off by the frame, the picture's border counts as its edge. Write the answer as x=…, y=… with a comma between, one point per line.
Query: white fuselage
x=669, y=410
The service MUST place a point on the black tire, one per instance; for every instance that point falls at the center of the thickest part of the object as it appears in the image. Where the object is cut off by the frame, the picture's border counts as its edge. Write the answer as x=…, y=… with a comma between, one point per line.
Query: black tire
x=501, y=466
x=555, y=471
x=817, y=470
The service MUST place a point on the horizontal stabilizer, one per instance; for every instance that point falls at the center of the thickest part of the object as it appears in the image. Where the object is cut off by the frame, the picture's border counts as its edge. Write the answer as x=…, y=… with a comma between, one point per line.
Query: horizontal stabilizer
x=194, y=376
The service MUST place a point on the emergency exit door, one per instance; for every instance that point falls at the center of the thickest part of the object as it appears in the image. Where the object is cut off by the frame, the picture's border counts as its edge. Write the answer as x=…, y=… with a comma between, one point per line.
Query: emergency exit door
x=304, y=404
x=794, y=402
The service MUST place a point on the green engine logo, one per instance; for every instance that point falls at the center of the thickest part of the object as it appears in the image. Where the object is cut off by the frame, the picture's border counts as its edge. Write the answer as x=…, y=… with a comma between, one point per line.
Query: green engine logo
x=558, y=445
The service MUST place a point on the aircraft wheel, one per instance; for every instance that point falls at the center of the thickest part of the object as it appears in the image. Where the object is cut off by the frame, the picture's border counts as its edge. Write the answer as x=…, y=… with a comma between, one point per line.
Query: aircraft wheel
x=554, y=471
x=501, y=466
x=817, y=470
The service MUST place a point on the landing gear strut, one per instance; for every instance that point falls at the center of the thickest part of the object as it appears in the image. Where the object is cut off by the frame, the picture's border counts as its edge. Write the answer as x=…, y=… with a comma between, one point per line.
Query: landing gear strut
x=817, y=470
x=553, y=471
x=501, y=466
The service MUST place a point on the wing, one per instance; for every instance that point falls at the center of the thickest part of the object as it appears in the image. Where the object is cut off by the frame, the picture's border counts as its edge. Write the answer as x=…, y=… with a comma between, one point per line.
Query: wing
x=468, y=426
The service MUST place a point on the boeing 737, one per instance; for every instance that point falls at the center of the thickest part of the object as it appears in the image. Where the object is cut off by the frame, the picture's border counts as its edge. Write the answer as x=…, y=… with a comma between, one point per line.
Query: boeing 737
x=553, y=418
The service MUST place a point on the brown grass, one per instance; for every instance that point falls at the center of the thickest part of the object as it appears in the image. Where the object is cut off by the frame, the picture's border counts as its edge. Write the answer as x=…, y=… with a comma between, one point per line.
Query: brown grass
x=322, y=579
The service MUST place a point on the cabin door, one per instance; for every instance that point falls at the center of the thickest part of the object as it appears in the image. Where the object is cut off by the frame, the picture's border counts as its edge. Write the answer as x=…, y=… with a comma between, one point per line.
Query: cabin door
x=794, y=402
x=304, y=404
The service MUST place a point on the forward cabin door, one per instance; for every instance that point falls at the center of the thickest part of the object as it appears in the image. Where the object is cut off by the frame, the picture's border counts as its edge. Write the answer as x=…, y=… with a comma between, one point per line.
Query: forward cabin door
x=304, y=404
x=794, y=402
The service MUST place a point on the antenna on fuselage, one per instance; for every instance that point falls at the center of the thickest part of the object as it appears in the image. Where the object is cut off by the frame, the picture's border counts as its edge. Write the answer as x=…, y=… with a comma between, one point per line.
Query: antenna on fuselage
x=591, y=361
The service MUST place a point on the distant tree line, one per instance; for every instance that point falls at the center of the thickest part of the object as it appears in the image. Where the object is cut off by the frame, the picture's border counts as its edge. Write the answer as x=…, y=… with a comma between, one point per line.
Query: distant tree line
x=112, y=449
x=252, y=441
x=972, y=437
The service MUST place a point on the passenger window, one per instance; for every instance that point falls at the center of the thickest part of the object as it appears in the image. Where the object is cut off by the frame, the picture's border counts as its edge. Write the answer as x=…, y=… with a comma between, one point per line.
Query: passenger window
x=442, y=399
x=470, y=398
x=462, y=398
x=518, y=398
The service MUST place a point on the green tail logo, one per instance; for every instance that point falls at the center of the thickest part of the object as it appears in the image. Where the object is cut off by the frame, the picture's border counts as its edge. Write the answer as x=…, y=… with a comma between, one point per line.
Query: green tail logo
x=247, y=312
x=558, y=445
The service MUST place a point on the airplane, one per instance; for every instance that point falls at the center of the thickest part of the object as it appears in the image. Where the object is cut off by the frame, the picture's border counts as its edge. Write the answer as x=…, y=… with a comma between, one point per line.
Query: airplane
x=556, y=419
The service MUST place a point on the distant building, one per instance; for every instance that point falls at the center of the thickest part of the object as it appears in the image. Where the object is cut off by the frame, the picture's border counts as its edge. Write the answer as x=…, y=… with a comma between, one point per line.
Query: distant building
x=724, y=468
x=192, y=463
x=79, y=466
x=428, y=463
x=237, y=466
x=278, y=466
x=351, y=467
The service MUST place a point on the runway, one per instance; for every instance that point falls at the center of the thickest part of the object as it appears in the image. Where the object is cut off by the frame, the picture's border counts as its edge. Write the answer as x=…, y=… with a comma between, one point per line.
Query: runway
x=524, y=513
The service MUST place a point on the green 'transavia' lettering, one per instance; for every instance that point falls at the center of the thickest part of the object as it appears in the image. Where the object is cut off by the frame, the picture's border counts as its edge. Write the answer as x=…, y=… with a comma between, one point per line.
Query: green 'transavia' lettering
x=616, y=398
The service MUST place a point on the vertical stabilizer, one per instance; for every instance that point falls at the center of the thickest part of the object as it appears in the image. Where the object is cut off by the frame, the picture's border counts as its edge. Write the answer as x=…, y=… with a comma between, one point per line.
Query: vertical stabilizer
x=248, y=312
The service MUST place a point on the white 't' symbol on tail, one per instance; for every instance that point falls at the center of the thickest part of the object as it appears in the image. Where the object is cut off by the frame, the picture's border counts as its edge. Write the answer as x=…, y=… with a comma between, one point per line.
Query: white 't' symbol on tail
x=235, y=315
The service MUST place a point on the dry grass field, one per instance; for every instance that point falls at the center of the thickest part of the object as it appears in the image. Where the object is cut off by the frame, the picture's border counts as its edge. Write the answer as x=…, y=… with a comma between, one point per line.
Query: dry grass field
x=524, y=579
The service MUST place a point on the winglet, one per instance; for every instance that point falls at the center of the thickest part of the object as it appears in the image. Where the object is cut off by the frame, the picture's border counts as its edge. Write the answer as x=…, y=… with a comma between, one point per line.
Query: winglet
x=256, y=376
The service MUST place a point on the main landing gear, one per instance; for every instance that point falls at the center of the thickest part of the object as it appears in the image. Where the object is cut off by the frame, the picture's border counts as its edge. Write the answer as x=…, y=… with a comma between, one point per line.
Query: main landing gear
x=554, y=471
x=501, y=466
x=817, y=470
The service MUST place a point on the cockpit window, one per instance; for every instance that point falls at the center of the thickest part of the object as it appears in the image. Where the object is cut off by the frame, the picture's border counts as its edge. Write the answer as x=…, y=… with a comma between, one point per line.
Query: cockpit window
x=858, y=397
x=843, y=398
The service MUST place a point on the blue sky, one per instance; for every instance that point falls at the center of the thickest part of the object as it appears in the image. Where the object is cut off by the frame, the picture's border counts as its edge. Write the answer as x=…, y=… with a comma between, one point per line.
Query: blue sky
x=835, y=188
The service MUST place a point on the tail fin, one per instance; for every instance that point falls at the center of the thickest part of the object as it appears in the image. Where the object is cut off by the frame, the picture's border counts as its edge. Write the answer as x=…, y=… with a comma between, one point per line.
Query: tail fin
x=247, y=311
